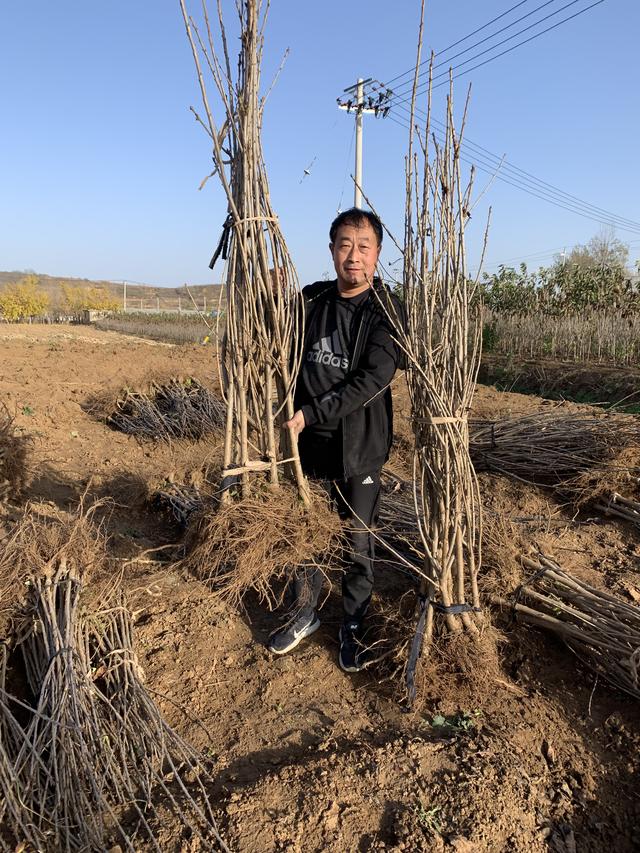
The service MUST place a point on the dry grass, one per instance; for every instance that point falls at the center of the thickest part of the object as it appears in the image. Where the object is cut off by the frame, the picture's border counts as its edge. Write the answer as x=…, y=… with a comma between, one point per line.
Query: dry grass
x=595, y=335
x=14, y=470
x=252, y=543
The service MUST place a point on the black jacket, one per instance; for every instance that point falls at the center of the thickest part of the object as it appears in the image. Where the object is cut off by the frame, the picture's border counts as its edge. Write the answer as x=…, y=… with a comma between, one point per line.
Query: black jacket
x=362, y=401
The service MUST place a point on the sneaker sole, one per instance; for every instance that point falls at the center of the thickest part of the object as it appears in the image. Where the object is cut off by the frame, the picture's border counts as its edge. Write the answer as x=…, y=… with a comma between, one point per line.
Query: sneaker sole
x=345, y=668
x=349, y=668
x=310, y=629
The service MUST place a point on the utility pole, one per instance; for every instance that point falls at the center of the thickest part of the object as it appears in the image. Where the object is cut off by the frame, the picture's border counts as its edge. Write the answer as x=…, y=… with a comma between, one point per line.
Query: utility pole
x=374, y=104
x=124, y=297
x=357, y=194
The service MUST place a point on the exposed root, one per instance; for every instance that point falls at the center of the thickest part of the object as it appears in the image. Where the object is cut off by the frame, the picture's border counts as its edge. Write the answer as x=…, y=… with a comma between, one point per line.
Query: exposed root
x=178, y=501
x=41, y=538
x=251, y=543
x=502, y=545
x=456, y=670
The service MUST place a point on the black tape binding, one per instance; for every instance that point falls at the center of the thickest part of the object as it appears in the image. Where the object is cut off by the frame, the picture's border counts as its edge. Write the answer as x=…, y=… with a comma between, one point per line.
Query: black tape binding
x=455, y=609
x=223, y=244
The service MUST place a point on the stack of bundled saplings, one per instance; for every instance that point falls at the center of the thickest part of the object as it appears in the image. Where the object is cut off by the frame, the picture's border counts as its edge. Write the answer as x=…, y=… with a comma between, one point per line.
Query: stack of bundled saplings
x=172, y=410
x=442, y=347
x=86, y=759
x=260, y=526
x=585, y=456
x=602, y=630
x=262, y=342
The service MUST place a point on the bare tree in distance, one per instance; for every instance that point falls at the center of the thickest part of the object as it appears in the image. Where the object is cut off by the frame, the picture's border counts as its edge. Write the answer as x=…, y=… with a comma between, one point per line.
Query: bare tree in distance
x=603, y=249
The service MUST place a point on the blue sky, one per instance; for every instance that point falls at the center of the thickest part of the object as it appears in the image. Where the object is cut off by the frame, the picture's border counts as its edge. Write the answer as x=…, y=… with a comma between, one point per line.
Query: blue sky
x=101, y=158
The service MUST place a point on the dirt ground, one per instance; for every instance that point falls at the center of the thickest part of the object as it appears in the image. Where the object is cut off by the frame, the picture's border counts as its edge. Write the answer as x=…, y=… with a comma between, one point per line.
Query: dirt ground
x=308, y=758
x=599, y=384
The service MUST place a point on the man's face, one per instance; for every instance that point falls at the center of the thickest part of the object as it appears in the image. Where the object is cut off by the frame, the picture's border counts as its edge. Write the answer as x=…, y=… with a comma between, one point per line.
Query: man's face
x=355, y=254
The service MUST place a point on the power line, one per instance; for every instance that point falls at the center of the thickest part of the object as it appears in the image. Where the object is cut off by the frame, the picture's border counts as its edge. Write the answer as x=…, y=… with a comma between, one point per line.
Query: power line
x=543, y=253
x=459, y=41
x=549, y=253
x=526, y=41
x=539, y=256
x=436, y=85
x=568, y=206
x=492, y=162
x=564, y=204
x=507, y=173
x=522, y=177
x=409, y=83
x=530, y=178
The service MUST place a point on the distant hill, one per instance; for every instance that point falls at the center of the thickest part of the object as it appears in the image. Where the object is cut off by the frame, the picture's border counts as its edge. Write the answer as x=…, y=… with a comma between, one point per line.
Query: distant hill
x=140, y=296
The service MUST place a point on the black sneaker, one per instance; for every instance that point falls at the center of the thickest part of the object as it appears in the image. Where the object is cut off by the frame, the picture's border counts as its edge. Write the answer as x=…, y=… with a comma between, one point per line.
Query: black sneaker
x=352, y=649
x=294, y=632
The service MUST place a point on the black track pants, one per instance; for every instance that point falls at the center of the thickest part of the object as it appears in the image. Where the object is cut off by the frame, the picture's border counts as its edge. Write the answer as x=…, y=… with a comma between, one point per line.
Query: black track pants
x=356, y=500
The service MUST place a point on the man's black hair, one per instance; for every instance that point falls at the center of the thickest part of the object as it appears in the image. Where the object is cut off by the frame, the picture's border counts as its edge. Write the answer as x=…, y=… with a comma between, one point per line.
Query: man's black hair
x=355, y=216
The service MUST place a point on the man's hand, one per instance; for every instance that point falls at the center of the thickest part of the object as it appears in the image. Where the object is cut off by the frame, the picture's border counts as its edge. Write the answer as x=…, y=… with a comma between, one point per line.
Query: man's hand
x=296, y=424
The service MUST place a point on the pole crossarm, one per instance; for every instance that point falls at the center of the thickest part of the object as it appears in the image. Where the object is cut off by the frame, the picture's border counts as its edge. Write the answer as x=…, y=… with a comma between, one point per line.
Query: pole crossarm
x=376, y=106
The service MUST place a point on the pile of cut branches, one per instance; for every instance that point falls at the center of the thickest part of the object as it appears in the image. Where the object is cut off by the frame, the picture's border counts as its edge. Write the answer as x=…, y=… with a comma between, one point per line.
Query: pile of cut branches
x=601, y=629
x=176, y=409
x=14, y=473
x=621, y=507
x=86, y=759
x=585, y=456
x=397, y=531
x=179, y=501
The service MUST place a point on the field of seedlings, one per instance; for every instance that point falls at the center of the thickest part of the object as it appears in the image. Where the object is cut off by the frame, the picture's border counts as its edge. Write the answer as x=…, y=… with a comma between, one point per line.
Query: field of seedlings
x=164, y=326
x=292, y=754
x=584, y=309
x=601, y=336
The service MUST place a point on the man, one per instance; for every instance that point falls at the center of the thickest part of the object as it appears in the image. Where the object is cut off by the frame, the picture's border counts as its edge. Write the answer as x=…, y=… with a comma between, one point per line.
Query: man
x=343, y=418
